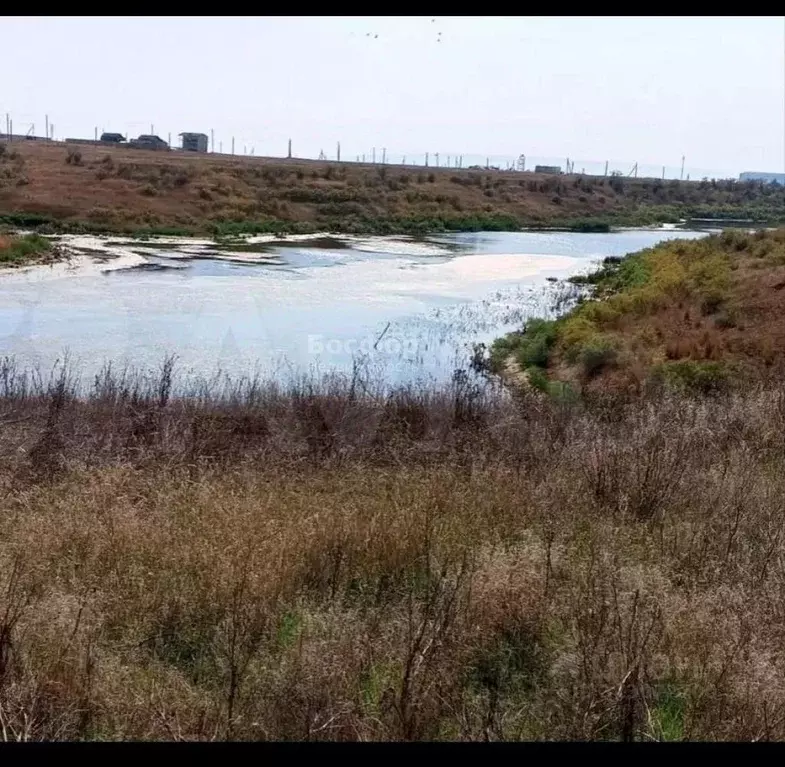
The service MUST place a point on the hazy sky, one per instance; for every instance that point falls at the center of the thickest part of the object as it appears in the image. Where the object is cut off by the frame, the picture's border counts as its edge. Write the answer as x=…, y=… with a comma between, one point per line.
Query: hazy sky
x=646, y=89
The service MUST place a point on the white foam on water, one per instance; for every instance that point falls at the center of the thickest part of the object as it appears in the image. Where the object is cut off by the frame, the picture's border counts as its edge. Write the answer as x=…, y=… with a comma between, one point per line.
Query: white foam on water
x=73, y=266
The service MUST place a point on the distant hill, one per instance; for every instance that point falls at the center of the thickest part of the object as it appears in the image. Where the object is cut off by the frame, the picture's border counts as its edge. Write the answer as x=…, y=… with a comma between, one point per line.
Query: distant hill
x=118, y=189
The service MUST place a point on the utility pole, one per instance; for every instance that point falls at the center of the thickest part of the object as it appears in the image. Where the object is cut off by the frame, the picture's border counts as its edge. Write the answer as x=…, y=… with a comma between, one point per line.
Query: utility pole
x=363, y=159
x=373, y=155
x=426, y=159
x=384, y=155
x=220, y=147
x=212, y=141
x=232, y=144
x=52, y=131
x=487, y=163
x=403, y=161
x=289, y=155
x=663, y=173
x=152, y=129
x=170, y=140
x=448, y=161
x=681, y=178
x=96, y=133
x=8, y=125
x=11, y=131
x=338, y=152
x=47, y=125
x=606, y=167
x=436, y=155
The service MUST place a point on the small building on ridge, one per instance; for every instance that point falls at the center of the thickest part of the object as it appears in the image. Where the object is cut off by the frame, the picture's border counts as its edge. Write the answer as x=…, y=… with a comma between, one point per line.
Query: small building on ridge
x=194, y=142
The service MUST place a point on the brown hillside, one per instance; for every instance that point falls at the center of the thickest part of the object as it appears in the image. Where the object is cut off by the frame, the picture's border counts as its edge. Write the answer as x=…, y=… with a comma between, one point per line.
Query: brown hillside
x=698, y=314
x=121, y=187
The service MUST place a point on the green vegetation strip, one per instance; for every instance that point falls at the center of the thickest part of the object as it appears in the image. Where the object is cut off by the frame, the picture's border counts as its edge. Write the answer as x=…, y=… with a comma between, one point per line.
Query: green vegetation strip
x=18, y=250
x=592, y=336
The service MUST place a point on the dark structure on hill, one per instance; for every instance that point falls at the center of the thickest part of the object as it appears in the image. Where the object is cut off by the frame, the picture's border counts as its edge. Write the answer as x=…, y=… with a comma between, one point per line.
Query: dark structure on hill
x=112, y=138
x=147, y=141
x=194, y=142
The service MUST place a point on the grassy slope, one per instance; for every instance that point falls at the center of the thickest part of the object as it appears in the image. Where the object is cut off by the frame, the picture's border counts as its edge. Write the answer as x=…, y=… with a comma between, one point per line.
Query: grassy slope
x=25, y=249
x=125, y=190
x=700, y=314
x=313, y=564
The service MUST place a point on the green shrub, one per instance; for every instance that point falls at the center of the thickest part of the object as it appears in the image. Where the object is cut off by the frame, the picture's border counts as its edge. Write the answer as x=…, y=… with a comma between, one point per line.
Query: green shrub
x=558, y=391
x=597, y=356
x=538, y=379
x=589, y=225
x=668, y=713
x=530, y=348
x=536, y=343
x=502, y=348
x=698, y=377
x=25, y=247
x=617, y=273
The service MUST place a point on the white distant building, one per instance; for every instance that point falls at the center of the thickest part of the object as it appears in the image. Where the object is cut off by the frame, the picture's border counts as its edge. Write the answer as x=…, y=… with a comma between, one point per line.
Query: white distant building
x=772, y=178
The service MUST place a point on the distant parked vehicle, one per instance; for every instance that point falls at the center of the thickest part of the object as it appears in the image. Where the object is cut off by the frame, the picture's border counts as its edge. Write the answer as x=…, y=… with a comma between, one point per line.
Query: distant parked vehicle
x=112, y=138
x=147, y=141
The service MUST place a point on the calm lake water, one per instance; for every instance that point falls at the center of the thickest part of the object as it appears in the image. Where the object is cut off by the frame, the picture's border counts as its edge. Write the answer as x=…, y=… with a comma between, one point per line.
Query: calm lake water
x=301, y=306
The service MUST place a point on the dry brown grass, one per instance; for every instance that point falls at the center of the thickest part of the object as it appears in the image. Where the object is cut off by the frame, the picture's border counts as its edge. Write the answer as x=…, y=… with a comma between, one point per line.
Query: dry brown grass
x=313, y=564
x=120, y=188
